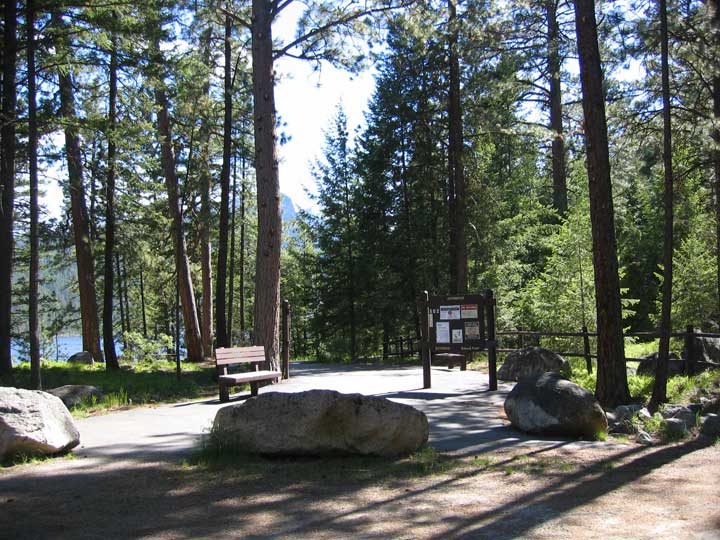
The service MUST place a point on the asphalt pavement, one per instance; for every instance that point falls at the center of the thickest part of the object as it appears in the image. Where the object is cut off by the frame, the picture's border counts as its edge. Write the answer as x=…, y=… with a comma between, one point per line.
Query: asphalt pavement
x=465, y=417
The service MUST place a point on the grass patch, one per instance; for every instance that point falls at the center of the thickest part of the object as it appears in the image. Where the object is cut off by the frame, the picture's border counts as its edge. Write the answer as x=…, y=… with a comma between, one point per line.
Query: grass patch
x=536, y=466
x=147, y=383
x=33, y=459
x=213, y=455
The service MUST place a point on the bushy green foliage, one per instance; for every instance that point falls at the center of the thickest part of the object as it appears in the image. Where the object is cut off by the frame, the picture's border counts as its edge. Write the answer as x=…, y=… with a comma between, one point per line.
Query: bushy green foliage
x=142, y=349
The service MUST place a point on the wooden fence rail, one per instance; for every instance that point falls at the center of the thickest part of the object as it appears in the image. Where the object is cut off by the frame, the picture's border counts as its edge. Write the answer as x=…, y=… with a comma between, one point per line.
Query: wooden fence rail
x=689, y=336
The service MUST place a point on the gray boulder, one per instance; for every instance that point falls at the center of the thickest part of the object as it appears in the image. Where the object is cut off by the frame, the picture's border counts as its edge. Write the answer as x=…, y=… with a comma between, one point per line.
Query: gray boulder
x=72, y=394
x=532, y=361
x=320, y=422
x=34, y=423
x=710, y=425
x=675, y=428
x=547, y=404
x=83, y=357
x=681, y=413
x=648, y=365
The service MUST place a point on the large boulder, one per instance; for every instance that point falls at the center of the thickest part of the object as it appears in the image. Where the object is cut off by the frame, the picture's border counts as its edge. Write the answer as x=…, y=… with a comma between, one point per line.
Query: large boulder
x=532, y=361
x=34, y=423
x=83, y=357
x=547, y=404
x=648, y=365
x=710, y=425
x=320, y=422
x=73, y=394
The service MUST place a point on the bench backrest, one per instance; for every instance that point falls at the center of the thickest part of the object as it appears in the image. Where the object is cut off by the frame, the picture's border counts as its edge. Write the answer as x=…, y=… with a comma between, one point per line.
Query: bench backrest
x=225, y=356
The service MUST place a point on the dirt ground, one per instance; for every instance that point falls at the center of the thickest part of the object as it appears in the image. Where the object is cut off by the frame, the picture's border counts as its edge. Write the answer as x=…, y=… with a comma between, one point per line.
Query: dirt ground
x=633, y=492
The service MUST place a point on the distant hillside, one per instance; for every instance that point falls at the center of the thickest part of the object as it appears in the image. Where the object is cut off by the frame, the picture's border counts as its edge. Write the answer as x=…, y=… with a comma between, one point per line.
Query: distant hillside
x=288, y=208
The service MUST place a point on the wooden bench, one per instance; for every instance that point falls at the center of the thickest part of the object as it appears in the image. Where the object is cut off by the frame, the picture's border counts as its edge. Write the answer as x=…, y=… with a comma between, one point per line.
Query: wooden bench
x=230, y=356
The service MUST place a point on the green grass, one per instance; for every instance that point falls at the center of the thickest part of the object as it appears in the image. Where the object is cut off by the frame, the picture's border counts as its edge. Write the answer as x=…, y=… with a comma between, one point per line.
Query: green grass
x=213, y=455
x=147, y=383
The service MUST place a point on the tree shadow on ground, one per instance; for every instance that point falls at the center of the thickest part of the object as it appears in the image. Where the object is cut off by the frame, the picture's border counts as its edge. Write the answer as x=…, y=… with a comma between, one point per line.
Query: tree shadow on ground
x=256, y=498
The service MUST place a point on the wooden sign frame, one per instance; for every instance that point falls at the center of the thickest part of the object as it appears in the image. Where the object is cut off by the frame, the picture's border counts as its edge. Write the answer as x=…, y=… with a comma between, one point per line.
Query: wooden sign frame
x=457, y=324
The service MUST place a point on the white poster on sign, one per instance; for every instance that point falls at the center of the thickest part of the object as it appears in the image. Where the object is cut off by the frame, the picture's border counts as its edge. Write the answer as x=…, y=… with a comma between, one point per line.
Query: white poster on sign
x=449, y=313
x=472, y=329
x=442, y=332
x=457, y=335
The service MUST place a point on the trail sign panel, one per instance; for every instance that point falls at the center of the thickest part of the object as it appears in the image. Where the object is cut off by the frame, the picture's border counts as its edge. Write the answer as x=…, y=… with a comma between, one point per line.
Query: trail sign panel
x=456, y=324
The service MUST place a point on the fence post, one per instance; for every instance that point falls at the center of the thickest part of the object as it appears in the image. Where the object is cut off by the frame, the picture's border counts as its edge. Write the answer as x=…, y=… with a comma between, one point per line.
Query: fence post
x=491, y=343
x=690, y=350
x=402, y=351
x=521, y=338
x=586, y=349
x=285, y=339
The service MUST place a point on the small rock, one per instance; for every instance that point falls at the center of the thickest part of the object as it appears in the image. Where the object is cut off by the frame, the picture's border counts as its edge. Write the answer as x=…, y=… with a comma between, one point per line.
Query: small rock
x=532, y=361
x=83, y=357
x=34, y=423
x=624, y=412
x=648, y=364
x=675, y=428
x=681, y=413
x=72, y=394
x=643, y=414
x=643, y=437
x=710, y=425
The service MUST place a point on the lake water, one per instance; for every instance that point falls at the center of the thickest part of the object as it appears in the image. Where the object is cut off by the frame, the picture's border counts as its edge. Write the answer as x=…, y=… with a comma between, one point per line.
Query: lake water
x=61, y=348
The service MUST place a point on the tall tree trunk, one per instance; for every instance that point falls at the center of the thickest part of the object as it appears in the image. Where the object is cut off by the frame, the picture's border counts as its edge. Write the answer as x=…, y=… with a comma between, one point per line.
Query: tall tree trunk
x=193, y=341
x=556, y=121
x=231, y=269
x=221, y=282
x=123, y=326
x=714, y=10
x=659, y=394
x=206, y=321
x=80, y=219
x=111, y=359
x=612, y=388
x=126, y=293
x=243, y=194
x=267, y=265
x=456, y=173
x=142, y=304
x=7, y=184
x=34, y=277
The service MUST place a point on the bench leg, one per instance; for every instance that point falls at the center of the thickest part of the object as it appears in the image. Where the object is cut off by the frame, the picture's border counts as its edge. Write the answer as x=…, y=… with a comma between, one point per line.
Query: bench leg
x=253, y=388
x=224, y=394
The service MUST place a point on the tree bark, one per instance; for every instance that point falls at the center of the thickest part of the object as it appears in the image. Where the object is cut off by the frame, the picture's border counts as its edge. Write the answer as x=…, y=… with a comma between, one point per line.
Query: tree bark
x=221, y=283
x=231, y=265
x=243, y=195
x=34, y=275
x=193, y=341
x=456, y=173
x=659, y=394
x=559, y=174
x=714, y=11
x=111, y=359
x=206, y=321
x=7, y=183
x=612, y=388
x=267, y=266
x=142, y=303
x=123, y=327
x=80, y=219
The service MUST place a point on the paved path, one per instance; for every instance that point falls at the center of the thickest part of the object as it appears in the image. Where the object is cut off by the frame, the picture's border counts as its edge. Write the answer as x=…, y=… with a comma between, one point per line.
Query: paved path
x=465, y=417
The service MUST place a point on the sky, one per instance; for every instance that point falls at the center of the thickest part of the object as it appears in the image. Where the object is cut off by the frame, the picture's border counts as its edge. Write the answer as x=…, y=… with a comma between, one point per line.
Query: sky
x=306, y=101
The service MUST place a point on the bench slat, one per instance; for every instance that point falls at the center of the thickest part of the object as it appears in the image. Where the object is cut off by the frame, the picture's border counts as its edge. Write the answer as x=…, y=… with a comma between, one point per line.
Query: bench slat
x=237, y=378
x=237, y=355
